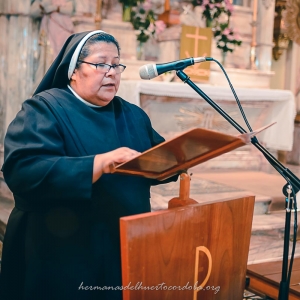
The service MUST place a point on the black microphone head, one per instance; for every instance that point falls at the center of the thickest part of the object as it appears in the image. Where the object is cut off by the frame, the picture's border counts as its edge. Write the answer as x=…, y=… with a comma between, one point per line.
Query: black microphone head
x=148, y=71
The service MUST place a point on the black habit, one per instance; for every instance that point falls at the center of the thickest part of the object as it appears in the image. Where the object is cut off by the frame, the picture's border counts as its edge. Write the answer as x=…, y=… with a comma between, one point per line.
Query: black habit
x=63, y=233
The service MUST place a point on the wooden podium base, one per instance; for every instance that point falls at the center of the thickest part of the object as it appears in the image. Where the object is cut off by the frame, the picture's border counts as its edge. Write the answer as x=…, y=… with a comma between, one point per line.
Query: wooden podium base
x=184, y=193
x=196, y=251
x=265, y=279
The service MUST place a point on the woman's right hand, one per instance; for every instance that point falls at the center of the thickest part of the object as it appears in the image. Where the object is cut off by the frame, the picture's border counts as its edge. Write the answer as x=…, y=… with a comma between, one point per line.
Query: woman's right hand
x=103, y=162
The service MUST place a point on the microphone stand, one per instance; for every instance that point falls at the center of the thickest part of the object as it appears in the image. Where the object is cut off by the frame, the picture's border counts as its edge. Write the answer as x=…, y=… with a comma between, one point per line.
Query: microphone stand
x=292, y=187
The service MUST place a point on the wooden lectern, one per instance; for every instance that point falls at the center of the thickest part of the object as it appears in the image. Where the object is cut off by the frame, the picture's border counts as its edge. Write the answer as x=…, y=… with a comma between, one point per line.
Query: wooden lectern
x=189, y=251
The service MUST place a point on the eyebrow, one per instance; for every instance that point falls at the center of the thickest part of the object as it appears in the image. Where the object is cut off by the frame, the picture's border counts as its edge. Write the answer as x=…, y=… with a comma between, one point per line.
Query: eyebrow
x=106, y=57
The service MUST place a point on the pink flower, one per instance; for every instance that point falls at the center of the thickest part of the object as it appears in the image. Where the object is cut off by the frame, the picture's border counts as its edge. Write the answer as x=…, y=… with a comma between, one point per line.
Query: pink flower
x=211, y=5
x=160, y=26
x=147, y=5
x=229, y=7
x=218, y=5
x=205, y=2
x=226, y=31
x=151, y=27
x=230, y=37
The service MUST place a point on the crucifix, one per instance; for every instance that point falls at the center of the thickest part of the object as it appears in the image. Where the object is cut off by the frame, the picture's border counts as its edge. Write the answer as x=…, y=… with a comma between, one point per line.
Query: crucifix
x=196, y=37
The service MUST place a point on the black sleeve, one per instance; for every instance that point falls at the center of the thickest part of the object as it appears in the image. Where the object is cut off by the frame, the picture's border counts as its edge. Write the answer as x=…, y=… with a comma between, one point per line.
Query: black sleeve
x=35, y=162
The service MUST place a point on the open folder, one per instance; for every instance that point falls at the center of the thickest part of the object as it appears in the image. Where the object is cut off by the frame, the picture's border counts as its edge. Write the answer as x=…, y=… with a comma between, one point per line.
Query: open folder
x=183, y=152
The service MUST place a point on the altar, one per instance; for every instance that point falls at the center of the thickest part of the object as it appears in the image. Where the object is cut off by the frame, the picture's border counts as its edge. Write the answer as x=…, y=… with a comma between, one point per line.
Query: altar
x=174, y=107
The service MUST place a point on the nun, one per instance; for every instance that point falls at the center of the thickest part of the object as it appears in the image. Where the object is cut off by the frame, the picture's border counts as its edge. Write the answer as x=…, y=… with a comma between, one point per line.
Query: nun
x=62, y=238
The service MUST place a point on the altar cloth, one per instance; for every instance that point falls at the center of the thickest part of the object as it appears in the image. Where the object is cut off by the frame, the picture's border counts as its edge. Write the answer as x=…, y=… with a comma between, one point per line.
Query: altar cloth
x=281, y=104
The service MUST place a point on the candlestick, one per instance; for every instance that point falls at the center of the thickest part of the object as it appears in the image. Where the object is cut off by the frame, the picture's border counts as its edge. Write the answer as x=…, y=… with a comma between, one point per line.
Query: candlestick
x=98, y=18
x=253, y=41
x=167, y=5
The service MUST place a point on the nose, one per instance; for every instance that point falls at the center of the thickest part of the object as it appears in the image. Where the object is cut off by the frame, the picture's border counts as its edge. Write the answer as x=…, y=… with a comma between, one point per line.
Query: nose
x=110, y=72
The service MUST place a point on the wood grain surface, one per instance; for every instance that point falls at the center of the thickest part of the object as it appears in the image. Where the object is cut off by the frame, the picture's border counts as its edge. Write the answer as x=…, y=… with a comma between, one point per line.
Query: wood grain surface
x=159, y=251
x=180, y=153
x=265, y=278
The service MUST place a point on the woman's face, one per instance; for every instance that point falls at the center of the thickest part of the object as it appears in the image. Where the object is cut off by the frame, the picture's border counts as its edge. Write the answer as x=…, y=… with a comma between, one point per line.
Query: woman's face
x=90, y=83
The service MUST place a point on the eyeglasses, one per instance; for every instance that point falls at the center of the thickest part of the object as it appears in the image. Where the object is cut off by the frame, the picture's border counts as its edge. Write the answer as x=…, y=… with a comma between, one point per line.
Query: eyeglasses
x=104, y=68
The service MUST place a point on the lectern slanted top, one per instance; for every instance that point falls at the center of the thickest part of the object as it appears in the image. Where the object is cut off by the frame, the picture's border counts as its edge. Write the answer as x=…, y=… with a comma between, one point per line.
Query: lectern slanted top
x=181, y=153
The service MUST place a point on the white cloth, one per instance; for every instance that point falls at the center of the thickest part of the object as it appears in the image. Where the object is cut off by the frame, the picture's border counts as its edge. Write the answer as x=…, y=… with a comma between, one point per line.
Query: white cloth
x=81, y=99
x=76, y=53
x=282, y=105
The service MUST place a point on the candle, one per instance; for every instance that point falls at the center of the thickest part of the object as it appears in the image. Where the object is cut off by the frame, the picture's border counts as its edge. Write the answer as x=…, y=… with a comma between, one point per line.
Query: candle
x=253, y=41
x=167, y=5
x=98, y=14
x=254, y=23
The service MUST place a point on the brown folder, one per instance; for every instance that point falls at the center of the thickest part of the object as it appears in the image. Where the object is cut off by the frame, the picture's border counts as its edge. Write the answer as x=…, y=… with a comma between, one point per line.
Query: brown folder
x=183, y=152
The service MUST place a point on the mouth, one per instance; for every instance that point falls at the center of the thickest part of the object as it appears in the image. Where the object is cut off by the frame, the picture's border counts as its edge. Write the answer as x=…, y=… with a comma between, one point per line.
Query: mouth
x=109, y=85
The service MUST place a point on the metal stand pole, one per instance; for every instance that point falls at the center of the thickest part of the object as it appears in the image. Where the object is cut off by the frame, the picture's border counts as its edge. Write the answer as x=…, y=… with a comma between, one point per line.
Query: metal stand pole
x=284, y=172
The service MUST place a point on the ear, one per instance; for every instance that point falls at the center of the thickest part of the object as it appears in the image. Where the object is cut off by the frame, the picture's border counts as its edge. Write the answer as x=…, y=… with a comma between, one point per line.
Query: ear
x=74, y=75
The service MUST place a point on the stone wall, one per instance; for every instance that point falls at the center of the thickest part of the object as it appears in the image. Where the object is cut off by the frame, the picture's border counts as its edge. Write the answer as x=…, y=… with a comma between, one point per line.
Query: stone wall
x=18, y=57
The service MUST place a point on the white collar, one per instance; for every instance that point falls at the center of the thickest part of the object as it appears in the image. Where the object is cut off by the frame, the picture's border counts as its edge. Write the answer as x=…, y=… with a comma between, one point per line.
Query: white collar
x=82, y=100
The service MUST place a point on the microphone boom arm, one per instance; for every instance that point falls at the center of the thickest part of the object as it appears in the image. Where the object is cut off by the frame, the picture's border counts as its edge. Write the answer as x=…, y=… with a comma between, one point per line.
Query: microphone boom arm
x=292, y=181
x=284, y=172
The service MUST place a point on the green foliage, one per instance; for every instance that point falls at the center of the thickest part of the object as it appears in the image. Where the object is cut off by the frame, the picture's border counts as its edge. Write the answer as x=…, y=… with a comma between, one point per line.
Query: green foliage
x=141, y=21
x=213, y=9
x=130, y=2
x=226, y=38
x=213, y=12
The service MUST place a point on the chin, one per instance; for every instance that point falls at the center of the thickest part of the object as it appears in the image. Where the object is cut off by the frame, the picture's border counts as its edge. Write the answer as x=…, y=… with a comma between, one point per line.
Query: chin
x=103, y=101
x=103, y=98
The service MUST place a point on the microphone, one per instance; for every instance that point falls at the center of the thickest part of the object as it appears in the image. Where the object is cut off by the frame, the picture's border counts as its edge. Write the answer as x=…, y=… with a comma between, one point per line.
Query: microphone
x=151, y=71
